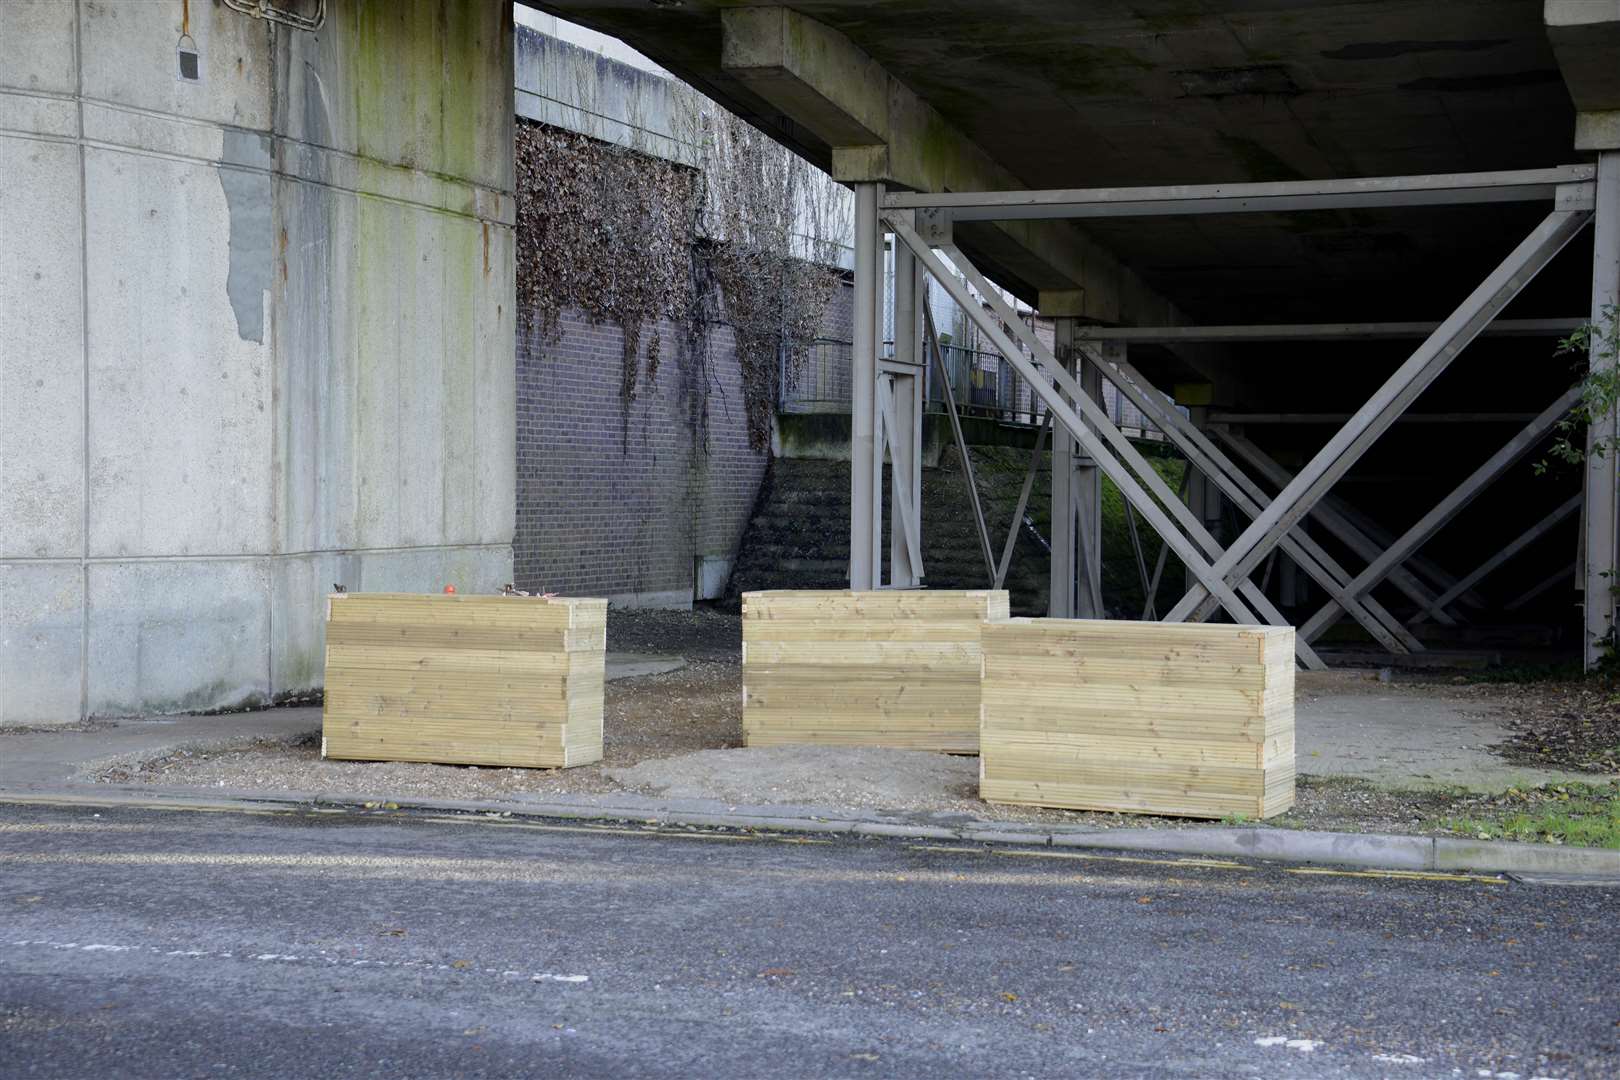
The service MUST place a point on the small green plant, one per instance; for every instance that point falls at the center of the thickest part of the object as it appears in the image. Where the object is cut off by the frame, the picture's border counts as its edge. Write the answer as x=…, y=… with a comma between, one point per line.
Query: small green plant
x=1597, y=344
x=1236, y=818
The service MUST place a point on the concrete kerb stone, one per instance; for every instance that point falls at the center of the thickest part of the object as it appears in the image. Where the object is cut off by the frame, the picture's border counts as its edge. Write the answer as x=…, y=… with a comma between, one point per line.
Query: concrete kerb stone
x=1376, y=851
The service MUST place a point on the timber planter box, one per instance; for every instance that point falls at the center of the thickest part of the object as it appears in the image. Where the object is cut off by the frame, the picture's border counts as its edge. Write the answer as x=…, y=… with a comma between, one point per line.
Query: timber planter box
x=1193, y=720
x=464, y=680
x=887, y=668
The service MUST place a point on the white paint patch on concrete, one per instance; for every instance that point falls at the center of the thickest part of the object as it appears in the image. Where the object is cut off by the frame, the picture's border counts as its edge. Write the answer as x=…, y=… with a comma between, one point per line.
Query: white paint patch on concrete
x=1304, y=1046
x=1399, y=1059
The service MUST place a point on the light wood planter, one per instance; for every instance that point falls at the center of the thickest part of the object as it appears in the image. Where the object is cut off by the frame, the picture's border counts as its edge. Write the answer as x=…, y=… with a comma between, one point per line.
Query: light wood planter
x=1156, y=718
x=897, y=669
x=464, y=680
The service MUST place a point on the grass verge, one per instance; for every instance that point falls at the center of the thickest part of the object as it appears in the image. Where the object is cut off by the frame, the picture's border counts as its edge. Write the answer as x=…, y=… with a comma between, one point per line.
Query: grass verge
x=1583, y=815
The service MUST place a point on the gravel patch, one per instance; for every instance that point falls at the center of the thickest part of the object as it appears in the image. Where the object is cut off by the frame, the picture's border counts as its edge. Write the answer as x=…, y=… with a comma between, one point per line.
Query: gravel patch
x=860, y=776
x=679, y=735
x=699, y=634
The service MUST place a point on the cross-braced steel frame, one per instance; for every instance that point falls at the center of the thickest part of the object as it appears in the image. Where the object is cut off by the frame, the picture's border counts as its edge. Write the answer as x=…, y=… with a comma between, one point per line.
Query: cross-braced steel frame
x=1067, y=381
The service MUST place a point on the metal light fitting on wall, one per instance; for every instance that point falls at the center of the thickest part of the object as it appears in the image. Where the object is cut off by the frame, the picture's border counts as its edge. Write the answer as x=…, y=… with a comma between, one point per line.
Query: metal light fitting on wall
x=188, y=61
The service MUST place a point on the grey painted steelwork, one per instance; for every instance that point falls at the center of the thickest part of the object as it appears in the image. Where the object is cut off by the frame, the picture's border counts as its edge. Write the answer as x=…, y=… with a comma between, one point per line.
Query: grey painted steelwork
x=1568, y=573
x=1447, y=189
x=1042, y=373
x=1247, y=496
x=1518, y=544
x=1446, y=509
x=1341, y=418
x=1075, y=585
x=1373, y=419
x=1348, y=526
x=1318, y=331
x=865, y=466
x=1599, y=577
x=1023, y=502
x=931, y=344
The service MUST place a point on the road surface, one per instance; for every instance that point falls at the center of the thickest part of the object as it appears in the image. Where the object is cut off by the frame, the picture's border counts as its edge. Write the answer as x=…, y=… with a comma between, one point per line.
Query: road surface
x=175, y=944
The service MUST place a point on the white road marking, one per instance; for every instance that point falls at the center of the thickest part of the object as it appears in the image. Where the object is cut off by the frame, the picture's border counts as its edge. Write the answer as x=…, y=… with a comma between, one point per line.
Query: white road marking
x=323, y=957
x=1304, y=1046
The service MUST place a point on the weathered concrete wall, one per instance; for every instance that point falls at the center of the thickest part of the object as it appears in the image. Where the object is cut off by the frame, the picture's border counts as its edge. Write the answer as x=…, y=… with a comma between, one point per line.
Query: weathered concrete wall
x=255, y=338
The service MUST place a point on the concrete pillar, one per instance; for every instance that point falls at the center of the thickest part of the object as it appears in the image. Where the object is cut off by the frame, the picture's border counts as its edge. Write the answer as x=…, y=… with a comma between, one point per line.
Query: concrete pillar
x=1600, y=580
x=865, y=463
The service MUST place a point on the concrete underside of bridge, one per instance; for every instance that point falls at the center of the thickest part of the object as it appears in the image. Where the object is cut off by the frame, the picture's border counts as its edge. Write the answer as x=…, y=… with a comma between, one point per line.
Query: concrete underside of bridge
x=938, y=96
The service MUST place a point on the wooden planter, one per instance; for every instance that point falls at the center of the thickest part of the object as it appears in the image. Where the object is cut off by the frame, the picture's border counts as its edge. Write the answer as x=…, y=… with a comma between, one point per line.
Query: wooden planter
x=1155, y=718
x=898, y=669
x=464, y=680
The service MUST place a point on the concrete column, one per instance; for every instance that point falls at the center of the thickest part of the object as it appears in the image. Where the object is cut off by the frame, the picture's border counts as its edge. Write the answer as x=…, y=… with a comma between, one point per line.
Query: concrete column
x=1600, y=579
x=865, y=464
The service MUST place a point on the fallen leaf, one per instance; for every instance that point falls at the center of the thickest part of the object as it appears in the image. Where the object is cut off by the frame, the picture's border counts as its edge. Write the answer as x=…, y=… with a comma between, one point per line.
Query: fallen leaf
x=1009, y=997
x=775, y=973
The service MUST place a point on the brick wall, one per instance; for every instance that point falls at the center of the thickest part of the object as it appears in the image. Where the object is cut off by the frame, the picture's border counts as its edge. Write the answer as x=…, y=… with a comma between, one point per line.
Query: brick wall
x=634, y=508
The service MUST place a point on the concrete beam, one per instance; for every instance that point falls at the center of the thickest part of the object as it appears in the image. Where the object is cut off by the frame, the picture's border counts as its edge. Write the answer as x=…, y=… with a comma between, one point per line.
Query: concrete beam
x=1585, y=37
x=809, y=71
x=880, y=131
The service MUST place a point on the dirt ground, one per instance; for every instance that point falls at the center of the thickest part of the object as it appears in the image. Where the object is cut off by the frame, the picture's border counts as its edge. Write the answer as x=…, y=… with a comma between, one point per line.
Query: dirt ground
x=677, y=735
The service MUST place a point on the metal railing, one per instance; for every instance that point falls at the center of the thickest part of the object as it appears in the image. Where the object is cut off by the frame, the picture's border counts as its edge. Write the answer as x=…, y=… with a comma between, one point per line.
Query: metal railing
x=984, y=383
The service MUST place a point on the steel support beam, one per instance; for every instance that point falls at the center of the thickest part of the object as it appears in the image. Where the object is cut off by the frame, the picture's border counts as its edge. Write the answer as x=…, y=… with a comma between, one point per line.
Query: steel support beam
x=1023, y=503
x=931, y=343
x=1390, y=401
x=1444, y=511
x=899, y=418
x=1076, y=564
x=865, y=462
x=1340, y=418
x=1336, y=517
x=1051, y=382
x=1567, y=573
x=1220, y=470
x=900, y=397
x=1449, y=189
x=1149, y=608
x=1169, y=335
x=1516, y=545
x=1599, y=579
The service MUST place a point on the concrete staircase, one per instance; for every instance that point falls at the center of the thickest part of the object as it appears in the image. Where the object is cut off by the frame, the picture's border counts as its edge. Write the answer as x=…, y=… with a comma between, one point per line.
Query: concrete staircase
x=798, y=537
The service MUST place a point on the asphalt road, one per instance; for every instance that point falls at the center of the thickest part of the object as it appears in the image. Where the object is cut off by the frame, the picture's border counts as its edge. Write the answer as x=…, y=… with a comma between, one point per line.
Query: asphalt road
x=178, y=944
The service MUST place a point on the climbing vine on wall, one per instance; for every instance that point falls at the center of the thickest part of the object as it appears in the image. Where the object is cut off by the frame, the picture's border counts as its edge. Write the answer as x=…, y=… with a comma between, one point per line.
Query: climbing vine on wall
x=629, y=238
x=606, y=231
x=776, y=229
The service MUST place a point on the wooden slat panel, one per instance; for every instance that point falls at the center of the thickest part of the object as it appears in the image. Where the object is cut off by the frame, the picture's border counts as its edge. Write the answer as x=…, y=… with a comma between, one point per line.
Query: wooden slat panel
x=474, y=680
x=1186, y=719
x=896, y=669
